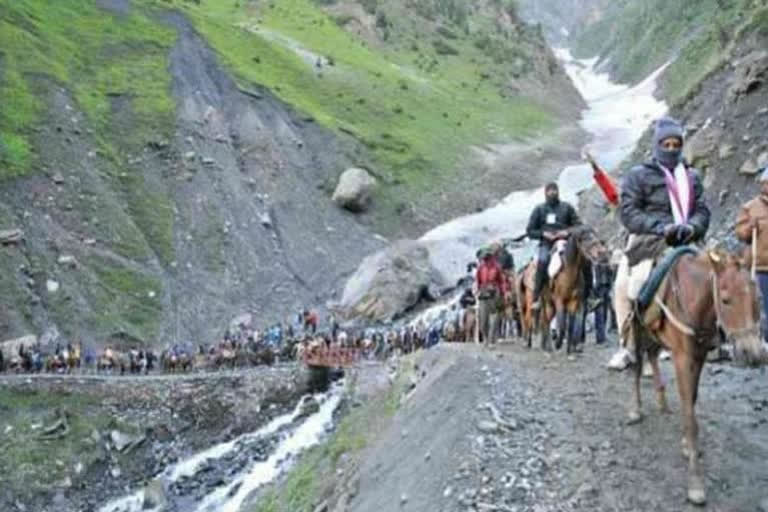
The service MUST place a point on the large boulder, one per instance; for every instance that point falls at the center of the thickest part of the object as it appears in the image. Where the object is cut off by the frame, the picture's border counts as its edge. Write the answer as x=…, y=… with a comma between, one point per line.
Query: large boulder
x=751, y=73
x=700, y=148
x=354, y=189
x=389, y=282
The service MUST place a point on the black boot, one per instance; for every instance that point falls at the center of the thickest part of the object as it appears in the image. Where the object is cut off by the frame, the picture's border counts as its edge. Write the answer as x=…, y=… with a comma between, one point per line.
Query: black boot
x=539, y=281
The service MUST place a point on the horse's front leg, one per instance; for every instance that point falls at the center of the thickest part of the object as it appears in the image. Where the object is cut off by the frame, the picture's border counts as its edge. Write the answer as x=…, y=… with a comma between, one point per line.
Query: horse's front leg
x=575, y=326
x=562, y=325
x=688, y=370
x=658, y=381
x=542, y=325
x=636, y=413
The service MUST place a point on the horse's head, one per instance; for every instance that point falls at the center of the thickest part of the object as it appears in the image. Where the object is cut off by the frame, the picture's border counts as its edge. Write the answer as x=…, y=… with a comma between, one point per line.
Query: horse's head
x=587, y=242
x=736, y=307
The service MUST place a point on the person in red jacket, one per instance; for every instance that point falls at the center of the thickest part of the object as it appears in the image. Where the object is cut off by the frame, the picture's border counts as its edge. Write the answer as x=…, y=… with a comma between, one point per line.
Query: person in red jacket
x=492, y=287
x=310, y=322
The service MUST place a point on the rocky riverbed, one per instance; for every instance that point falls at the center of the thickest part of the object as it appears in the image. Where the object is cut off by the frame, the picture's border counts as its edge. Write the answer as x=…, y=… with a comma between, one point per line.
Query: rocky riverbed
x=76, y=442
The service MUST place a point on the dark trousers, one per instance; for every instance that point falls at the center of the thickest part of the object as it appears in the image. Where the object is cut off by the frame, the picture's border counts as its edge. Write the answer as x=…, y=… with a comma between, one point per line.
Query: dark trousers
x=542, y=263
x=762, y=281
x=601, y=313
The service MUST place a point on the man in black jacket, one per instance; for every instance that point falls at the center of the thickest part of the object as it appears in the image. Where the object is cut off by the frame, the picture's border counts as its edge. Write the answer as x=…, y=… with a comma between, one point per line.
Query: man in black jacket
x=662, y=205
x=549, y=222
x=645, y=200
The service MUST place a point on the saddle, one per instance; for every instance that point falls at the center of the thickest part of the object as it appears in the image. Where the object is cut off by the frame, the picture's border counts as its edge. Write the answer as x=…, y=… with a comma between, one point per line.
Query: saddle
x=659, y=272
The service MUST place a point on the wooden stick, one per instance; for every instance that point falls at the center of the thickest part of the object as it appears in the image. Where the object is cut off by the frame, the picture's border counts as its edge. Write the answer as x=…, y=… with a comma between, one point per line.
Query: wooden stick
x=754, y=253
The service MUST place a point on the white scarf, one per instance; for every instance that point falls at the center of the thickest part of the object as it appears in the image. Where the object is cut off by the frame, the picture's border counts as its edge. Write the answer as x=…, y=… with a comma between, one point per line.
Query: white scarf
x=679, y=188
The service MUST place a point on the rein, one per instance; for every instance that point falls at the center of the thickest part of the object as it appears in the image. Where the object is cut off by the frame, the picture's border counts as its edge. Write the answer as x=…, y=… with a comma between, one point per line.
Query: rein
x=685, y=327
x=754, y=328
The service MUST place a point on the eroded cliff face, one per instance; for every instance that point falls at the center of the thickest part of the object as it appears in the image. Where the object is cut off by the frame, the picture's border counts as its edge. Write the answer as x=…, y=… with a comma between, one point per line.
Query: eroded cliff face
x=170, y=239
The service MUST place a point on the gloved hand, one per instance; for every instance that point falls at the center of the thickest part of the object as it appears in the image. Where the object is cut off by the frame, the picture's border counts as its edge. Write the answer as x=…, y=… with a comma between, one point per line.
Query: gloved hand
x=670, y=234
x=684, y=234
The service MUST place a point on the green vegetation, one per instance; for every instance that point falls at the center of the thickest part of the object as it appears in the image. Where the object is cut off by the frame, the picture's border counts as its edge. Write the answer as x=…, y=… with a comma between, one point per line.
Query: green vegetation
x=34, y=465
x=432, y=80
x=96, y=55
x=115, y=68
x=638, y=37
x=416, y=103
x=129, y=300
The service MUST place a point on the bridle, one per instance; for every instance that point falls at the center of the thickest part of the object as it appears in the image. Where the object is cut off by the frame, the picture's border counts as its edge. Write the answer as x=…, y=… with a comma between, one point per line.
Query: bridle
x=750, y=329
x=702, y=333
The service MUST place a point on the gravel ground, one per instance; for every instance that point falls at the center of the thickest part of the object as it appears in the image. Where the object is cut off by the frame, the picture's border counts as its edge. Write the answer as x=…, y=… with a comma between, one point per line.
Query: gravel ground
x=519, y=430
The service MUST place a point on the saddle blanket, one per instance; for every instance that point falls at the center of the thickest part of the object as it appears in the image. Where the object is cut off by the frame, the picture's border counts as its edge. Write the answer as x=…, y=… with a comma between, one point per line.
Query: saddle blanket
x=556, y=261
x=651, y=285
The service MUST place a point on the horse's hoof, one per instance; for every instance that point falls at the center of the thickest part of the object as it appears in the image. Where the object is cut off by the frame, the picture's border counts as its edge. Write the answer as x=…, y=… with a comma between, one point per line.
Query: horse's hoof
x=634, y=417
x=696, y=493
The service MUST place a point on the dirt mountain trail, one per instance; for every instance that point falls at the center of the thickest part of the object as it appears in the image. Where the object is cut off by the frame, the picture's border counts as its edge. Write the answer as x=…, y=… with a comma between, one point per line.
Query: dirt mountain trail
x=519, y=430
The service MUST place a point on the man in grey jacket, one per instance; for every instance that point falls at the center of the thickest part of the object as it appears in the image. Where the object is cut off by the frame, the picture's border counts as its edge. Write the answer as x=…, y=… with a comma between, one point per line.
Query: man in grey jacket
x=662, y=205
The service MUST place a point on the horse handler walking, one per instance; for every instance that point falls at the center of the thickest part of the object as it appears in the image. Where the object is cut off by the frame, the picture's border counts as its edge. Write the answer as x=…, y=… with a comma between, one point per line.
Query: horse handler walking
x=492, y=288
x=752, y=228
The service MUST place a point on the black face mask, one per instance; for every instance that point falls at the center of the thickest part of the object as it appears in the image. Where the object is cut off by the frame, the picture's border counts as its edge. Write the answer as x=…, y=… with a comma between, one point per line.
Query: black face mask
x=552, y=201
x=668, y=158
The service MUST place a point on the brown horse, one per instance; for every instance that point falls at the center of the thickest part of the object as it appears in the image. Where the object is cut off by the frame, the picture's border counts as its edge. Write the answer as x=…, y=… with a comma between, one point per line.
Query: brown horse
x=469, y=325
x=564, y=297
x=172, y=362
x=510, y=320
x=700, y=296
x=525, y=283
x=112, y=360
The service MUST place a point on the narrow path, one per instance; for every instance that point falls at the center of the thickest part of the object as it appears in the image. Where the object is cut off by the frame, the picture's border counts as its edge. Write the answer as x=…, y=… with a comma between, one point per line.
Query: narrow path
x=558, y=439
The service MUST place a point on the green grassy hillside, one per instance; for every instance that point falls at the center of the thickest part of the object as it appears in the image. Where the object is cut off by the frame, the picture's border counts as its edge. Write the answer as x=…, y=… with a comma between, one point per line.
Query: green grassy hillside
x=91, y=147
x=415, y=101
x=94, y=54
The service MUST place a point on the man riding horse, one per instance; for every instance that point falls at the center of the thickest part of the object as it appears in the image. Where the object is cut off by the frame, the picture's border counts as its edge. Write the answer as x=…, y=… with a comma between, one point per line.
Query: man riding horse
x=549, y=223
x=662, y=205
x=692, y=299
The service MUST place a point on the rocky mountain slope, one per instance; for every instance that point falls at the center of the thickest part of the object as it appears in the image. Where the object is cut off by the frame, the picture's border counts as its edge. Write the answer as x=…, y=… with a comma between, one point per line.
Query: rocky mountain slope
x=166, y=165
x=563, y=20
x=726, y=119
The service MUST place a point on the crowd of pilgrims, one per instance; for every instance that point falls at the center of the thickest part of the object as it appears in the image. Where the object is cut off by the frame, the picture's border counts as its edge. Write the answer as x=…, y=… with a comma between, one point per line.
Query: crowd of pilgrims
x=239, y=346
x=242, y=345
